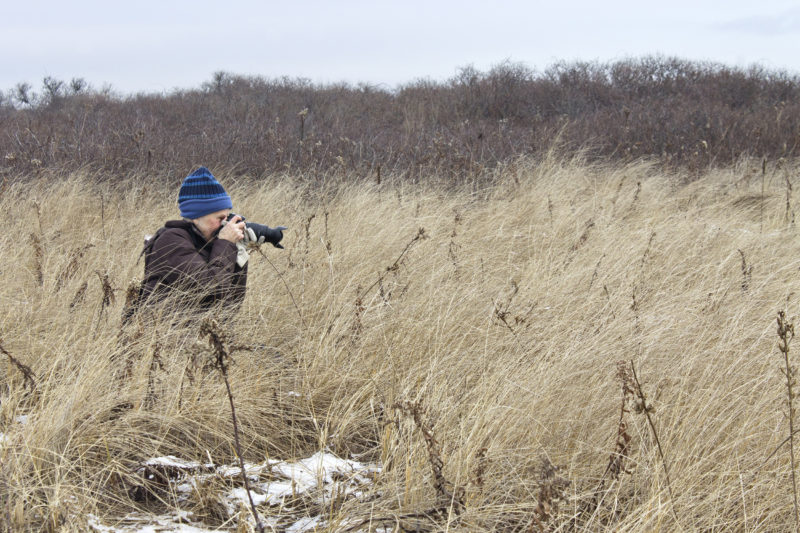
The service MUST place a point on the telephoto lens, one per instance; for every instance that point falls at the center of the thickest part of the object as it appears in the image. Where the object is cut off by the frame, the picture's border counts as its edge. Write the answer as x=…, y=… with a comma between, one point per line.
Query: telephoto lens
x=270, y=235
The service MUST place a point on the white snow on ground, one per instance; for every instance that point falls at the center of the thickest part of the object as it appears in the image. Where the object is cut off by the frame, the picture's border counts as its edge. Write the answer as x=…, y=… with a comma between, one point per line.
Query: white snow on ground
x=171, y=460
x=304, y=524
x=20, y=419
x=147, y=524
x=252, y=470
x=318, y=478
x=241, y=495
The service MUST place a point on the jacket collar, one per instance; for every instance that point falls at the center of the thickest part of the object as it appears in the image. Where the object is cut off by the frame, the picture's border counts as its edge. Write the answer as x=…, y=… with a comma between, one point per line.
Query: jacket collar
x=197, y=237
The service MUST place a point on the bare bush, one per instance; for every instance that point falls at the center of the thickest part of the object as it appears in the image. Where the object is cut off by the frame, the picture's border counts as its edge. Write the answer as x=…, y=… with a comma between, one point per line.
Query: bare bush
x=694, y=115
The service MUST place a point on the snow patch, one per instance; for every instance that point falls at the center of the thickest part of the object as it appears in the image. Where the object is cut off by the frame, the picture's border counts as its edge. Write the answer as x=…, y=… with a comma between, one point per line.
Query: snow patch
x=318, y=478
x=305, y=524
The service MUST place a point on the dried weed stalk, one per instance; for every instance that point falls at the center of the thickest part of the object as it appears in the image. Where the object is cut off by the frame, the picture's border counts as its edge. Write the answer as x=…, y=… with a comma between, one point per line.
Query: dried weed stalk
x=220, y=361
x=358, y=311
x=156, y=363
x=27, y=373
x=447, y=496
x=747, y=272
x=596, y=271
x=622, y=446
x=584, y=236
x=479, y=472
x=80, y=294
x=453, y=247
x=643, y=407
x=38, y=258
x=307, y=241
x=608, y=300
x=362, y=293
x=761, y=209
x=551, y=490
x=616, y=461
x=785, y=335
x=637, y=193
x=107, y=297
x=133, y=296
x=38, y=209
x=394, y=267
x=328, y=246
x=69, y=270
x=646, y=252
x=579, y=243
x=501, y=311
x=619, y=190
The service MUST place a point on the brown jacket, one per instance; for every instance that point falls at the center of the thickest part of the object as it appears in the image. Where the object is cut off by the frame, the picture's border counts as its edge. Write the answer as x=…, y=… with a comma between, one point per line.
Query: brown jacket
x=182, y=267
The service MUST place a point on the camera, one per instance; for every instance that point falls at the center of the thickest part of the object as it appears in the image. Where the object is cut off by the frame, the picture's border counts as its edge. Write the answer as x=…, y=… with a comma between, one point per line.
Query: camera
x=270, y=235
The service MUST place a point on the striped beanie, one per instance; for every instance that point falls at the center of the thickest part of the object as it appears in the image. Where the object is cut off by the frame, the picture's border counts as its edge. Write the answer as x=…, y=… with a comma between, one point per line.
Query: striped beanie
x=202, y=194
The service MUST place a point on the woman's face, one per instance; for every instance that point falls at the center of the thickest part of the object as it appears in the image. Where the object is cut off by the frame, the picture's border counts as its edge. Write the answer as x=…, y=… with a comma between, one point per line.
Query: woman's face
x=210, y=223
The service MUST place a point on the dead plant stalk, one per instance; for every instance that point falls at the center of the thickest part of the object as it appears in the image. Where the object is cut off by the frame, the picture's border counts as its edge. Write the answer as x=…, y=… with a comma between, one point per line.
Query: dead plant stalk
x=786, y=334
x=646, y=409
x=221, y=361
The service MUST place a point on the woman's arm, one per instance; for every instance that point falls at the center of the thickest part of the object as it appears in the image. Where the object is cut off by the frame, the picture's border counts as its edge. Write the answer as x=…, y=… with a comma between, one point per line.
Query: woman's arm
x=177, y=263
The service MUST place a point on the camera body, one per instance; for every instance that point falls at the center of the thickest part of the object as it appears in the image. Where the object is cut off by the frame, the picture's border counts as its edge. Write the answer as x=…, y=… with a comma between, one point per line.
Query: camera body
x=270, y=235
x=231, y=216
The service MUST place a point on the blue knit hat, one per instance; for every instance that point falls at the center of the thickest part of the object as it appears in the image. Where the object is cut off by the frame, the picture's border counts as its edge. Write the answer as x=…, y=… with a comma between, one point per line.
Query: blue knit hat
x=202, y=194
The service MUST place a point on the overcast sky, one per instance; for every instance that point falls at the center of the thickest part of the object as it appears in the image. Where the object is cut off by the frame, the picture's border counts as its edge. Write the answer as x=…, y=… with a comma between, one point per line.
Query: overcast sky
x=159, y=45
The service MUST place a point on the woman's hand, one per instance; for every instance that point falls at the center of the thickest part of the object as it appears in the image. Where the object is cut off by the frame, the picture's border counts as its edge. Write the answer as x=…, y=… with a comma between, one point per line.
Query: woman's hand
x=233, y=231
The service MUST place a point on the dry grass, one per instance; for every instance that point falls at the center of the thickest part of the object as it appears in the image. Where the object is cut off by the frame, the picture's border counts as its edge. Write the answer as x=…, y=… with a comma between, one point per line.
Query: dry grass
x=500, y=329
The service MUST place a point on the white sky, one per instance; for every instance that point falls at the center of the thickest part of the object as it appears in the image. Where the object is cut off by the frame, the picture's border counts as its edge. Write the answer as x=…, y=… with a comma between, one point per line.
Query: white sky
x=159, y=45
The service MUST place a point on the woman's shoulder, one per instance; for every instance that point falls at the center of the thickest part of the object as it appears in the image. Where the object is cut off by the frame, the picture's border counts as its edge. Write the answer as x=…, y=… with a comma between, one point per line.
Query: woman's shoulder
x=184, y=225
x=173, y=231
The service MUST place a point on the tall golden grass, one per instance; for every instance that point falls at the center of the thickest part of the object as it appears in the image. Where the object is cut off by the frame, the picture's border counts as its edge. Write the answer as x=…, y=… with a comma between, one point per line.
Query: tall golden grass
x=482, y=362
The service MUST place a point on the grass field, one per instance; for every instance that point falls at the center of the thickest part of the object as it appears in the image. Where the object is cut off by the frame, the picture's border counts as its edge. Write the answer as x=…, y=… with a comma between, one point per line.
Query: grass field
x=477, y=347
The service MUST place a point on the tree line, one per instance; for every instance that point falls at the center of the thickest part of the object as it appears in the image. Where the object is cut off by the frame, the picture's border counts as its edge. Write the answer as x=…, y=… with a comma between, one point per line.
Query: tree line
x=677, y=112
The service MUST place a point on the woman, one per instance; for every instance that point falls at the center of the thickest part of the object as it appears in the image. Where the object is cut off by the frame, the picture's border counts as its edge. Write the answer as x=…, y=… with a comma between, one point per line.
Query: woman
x=199, y=261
